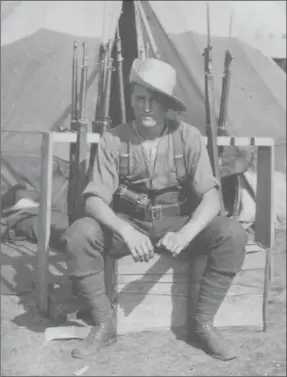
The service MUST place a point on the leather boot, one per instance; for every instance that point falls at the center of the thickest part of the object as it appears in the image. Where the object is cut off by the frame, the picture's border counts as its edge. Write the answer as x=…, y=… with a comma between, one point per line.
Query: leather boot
x=197, y=267
x=92, y=289
x=84, y=311
x=213, y=288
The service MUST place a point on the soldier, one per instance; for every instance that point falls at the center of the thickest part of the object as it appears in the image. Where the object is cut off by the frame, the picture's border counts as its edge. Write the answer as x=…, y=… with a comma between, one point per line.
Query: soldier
x=153, y=191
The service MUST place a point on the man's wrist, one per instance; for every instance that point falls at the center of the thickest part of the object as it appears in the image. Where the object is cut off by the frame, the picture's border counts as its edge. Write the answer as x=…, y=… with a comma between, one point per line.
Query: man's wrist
x=186, y=233
x=125, y=229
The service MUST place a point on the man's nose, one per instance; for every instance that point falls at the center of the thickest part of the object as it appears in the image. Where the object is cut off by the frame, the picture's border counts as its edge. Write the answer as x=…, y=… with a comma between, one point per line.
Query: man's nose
x=147, y=106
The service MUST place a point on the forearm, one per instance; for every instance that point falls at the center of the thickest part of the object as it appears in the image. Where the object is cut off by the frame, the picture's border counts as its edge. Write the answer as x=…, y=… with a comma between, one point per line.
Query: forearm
x=208, y=208
x=97, y=209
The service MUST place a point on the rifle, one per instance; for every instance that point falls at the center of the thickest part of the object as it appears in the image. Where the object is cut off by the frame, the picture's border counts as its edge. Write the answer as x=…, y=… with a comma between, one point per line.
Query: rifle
x=121, y=77
x=102, y=119
x=211, y=123
x=99, y=103
x=80, y=163
x=224, y=96
x=106, y=120
x=74, y=125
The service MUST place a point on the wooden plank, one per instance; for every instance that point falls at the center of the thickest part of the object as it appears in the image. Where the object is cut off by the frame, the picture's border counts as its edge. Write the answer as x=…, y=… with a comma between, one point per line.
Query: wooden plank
x=265, y=214
x=69, y=137
x=267, y=282
x=252, y=247
x=155, y=288
x=44, y=223
x=251, y=278
x=160, y=264
x=254, y=260
x=246, y=282
x=245, y=141
x=140, y=312
x=166, y=267
x=240, y=311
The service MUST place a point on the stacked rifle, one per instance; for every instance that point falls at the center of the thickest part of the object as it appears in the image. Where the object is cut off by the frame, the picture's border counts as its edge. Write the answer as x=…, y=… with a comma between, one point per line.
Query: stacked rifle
x=80, y=172
x=212, y=128
x=79, y=124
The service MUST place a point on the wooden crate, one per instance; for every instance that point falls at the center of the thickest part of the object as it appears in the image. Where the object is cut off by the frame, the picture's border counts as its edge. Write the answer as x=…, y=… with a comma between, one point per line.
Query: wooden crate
x=154, y=295
x=245, y=304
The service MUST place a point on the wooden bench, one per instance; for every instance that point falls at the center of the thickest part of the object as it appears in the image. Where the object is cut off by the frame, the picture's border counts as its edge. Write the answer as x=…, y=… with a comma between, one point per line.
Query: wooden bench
x=154, y=295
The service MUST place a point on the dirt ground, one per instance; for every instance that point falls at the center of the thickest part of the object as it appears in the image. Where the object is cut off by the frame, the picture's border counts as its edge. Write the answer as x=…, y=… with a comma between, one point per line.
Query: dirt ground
x=24, y=351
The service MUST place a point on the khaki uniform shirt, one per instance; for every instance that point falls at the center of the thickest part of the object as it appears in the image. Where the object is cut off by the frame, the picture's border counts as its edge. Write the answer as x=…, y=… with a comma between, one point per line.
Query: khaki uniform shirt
x=162, y=174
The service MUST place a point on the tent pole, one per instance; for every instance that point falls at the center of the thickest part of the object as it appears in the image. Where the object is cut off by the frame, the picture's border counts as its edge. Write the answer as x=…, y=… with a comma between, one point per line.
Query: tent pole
x=148, y=30
x=140, y=40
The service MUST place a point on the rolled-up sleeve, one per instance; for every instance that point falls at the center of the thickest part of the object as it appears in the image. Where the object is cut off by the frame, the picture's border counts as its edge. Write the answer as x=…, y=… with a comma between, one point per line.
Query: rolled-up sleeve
x=201, y=178
x=105, y=179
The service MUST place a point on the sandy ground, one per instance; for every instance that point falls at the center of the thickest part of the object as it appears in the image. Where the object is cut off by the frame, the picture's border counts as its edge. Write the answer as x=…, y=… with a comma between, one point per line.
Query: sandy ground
x=25, y=353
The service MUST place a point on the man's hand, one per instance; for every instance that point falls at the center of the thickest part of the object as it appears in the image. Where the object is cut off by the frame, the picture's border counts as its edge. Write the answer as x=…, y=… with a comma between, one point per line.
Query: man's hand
x=139, y=245
x=174, y=242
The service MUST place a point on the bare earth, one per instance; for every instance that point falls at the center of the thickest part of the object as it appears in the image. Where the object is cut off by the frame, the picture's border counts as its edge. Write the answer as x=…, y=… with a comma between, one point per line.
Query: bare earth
x=25, y=353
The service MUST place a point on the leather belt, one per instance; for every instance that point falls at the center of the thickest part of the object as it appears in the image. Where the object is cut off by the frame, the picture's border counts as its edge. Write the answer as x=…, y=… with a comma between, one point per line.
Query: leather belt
x=159, y=212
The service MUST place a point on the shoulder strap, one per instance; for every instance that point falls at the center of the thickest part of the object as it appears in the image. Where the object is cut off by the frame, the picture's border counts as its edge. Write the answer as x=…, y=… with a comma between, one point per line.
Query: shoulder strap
x=124, y=158
x=124, y=161
x=179, y=155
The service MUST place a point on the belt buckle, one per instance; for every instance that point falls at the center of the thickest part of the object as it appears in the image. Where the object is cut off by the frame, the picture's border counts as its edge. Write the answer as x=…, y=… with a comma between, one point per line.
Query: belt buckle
x=154, y=212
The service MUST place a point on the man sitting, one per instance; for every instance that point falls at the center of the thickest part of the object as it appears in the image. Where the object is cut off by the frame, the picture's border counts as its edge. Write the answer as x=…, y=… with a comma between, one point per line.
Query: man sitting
x=153, y=190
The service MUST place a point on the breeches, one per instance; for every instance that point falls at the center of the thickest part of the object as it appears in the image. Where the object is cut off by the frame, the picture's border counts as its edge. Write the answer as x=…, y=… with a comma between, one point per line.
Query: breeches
x=222, y=241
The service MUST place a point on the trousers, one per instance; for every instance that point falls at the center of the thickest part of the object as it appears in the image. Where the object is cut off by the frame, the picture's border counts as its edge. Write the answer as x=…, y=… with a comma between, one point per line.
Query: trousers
x=86, y=240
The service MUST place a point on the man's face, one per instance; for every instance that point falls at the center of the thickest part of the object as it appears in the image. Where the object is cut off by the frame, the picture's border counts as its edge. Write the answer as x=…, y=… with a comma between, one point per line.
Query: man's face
x=148, y=106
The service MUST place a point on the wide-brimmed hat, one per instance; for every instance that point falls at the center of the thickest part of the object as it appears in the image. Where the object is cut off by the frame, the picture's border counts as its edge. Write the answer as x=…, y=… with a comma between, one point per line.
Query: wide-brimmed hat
x=154, y=74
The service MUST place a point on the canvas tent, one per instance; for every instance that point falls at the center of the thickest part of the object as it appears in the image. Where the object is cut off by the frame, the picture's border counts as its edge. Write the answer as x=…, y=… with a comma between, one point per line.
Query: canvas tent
x=36, y=65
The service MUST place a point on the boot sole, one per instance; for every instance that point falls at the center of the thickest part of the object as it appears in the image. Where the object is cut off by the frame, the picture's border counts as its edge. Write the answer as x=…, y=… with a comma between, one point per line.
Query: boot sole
x=197, y=343
x=221, y=358
x=77, y=354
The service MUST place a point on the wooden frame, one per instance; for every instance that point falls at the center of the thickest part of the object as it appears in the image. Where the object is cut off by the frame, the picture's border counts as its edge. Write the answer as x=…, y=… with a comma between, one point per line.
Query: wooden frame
x=264, y=221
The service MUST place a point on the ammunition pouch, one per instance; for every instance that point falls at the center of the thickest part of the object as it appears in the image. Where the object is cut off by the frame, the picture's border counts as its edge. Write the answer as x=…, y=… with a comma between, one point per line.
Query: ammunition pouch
x=139, y=206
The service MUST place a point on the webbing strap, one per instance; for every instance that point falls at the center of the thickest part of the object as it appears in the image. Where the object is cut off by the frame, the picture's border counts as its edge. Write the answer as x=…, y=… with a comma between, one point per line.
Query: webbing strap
x=124, y=163
x=179, y=157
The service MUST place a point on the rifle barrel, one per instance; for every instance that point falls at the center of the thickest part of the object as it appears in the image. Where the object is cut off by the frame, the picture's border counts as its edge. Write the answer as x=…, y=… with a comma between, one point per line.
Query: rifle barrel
x=108, y=80
x=121, y=78
x=84, y=69
x=224, y=93
x=74, y=84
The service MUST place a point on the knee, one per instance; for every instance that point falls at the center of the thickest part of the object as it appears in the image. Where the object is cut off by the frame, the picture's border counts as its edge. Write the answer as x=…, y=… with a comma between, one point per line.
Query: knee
x=84, y=231
x=227, y=238
x=230, y=231
x=237, y=236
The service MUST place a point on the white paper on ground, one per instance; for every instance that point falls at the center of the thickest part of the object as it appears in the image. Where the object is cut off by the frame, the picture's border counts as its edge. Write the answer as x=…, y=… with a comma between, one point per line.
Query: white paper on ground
x=66, y=332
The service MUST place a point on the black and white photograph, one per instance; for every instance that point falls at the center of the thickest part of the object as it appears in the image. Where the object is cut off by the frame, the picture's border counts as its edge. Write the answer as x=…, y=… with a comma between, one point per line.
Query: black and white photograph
x=143, y=188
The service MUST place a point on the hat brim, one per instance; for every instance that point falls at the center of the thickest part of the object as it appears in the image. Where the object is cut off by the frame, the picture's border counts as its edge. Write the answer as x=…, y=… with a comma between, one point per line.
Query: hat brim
x=174, y=103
